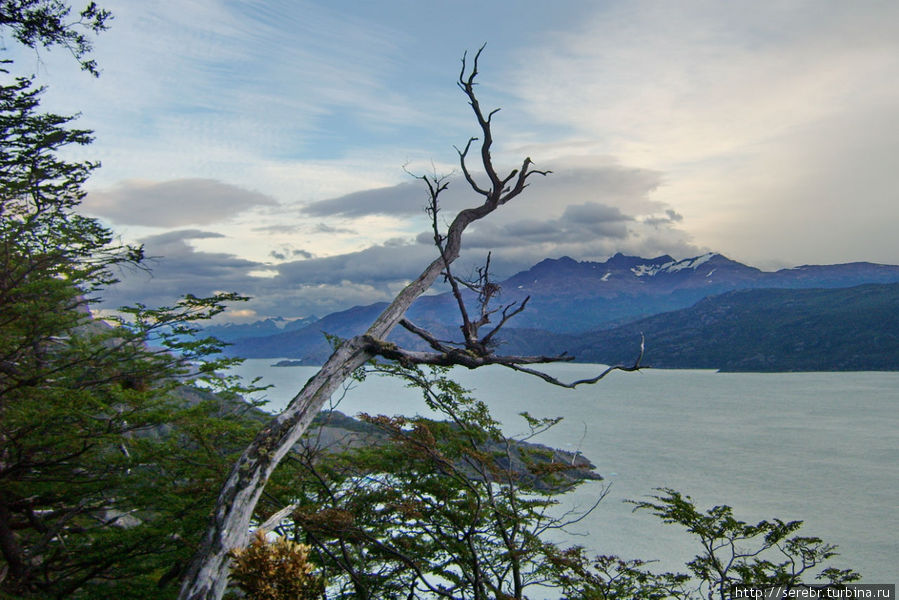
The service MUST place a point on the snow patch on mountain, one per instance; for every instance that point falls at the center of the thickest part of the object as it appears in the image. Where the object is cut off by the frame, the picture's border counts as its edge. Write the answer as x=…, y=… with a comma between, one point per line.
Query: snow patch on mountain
x=672, y=266
x=649, y=270
x=691, y=263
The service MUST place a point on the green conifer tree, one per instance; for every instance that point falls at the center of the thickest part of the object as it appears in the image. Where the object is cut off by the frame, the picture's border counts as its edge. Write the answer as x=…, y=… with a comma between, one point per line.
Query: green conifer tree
x=109, y=460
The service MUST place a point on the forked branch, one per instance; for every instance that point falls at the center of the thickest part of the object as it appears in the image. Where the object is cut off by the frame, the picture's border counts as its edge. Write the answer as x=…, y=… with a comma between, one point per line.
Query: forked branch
x=207, y=575
x=448, y=356
x=637, y=366
x=476, y=350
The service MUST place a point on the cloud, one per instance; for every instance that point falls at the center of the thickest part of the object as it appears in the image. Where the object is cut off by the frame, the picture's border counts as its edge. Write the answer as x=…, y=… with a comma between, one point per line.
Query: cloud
x=671, y=216
x=587, y=204
x=379, y=265
x=589, y=208
x=324, y=228
x=178, y=237
x=593, y=212
x=688, y=82
x=294, y=288
x=769, y=120
x=286, y=252
x=173, y=203
x=588, y=221
x=574, y=180
x=320, y=285
x=177, y=268
x=295, y=228
x=403, y=199
x=280, y=228
x=517, y=245
x=733, y=126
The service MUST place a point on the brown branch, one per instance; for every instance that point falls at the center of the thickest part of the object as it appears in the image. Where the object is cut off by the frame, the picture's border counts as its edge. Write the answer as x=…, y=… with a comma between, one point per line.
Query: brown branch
x=521, y=183
x=589, y=381
x=469, y=284
x=424, y=334
x=448, y=357
x=506, y=316
x=454, y=357
x=466, y=84
x=485, y=289
x=433, y=209
x=275, y=520
x=465, y=171
x=498, y=192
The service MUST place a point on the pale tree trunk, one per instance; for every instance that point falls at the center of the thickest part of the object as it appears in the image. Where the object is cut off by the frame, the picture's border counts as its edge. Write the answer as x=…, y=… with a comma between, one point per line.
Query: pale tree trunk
x=207, y=575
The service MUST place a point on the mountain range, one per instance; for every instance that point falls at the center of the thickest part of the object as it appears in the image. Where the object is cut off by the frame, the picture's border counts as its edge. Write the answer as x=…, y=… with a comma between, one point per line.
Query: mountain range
x=703, y=312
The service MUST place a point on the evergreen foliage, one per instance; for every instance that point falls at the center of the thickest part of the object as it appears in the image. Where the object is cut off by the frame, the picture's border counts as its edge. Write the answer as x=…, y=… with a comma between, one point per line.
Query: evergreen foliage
x=48, y=23
x=108, y=462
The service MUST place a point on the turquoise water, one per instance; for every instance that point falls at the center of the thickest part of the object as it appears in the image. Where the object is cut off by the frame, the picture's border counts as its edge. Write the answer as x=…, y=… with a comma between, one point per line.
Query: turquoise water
x=819, y=447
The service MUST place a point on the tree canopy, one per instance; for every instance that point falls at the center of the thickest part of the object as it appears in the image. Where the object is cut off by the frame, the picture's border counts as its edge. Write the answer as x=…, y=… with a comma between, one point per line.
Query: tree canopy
x=49, y=23
x=109, y=452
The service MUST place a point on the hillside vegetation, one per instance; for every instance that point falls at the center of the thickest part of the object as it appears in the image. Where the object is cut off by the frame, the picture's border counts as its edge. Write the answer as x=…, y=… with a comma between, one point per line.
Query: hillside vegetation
x=851, y=329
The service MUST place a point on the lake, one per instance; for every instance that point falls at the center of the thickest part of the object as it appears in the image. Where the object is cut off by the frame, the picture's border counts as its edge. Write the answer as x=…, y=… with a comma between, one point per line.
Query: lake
x=818, y=447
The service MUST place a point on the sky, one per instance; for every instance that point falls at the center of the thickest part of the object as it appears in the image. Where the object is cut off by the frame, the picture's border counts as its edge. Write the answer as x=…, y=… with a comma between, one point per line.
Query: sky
x=266, y=146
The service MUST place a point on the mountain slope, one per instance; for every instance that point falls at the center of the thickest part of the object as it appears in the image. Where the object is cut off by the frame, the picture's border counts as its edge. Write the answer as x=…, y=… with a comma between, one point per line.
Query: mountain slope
x=764, y=330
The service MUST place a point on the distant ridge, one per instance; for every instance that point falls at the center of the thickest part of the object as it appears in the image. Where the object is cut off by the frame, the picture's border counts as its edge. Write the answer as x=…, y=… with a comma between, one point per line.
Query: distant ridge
x=308, y=344
x=570, y=298
x=271, y=326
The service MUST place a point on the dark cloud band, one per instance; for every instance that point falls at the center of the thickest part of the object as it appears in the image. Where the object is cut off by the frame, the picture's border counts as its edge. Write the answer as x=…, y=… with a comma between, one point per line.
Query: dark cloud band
x=176, y=203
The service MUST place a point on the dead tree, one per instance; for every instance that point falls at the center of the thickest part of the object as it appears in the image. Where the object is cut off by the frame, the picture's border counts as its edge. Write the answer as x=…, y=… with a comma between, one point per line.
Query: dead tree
x=207, y=575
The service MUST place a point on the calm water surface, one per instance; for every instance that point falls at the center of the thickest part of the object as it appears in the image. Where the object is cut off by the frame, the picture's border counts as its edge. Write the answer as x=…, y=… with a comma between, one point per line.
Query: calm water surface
x=819, y=447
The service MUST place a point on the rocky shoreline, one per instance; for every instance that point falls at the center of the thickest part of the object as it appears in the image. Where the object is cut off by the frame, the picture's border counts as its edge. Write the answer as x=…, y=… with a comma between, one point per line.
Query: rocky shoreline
x=333, y=431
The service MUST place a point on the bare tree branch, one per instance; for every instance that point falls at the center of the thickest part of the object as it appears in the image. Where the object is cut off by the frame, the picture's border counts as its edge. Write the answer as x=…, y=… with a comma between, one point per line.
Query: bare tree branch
x=488, y=339
x=207, y=574
x=448, y=357
x=438, y=345
x=465, y=172
x=589, y=381
x=276, y=518
x=462, y=357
